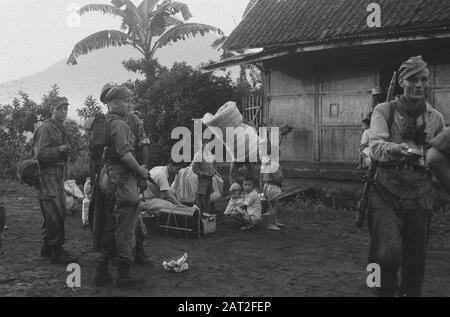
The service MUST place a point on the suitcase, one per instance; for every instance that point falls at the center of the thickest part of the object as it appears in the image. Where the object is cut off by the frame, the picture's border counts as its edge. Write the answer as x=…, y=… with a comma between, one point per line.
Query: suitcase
x=180, y=221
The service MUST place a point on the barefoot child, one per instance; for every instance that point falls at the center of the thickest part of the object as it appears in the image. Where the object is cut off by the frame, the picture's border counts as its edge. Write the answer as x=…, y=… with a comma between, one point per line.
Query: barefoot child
x=271, y=182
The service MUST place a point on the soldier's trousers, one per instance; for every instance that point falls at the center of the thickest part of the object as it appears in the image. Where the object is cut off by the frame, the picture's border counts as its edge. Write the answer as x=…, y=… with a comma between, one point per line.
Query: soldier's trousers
x=52, y=202
x=121, y=190
x=398, y=240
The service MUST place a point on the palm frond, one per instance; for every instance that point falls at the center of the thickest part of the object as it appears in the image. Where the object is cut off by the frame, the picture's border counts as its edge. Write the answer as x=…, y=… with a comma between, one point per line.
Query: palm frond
x=147, y=6
x=103, y=8
x=177, y=7
x=218, y=43
x=97, y=41
x=161, y=22
x=184, y=31
x=119, y=3
x=169, y=21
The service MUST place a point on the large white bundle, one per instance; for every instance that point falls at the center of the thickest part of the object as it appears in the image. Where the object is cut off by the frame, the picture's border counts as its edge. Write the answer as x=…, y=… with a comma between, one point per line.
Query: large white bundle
x=246, y=137
x=71, y=189
x=227, y=116
x=186, y=183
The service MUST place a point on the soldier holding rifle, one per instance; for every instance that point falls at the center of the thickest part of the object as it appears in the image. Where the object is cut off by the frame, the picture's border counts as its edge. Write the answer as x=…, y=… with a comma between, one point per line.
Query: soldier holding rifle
x=401, y=199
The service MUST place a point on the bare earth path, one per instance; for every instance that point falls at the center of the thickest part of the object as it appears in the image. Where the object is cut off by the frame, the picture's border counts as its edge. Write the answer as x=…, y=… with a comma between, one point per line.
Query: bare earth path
x=320, y=253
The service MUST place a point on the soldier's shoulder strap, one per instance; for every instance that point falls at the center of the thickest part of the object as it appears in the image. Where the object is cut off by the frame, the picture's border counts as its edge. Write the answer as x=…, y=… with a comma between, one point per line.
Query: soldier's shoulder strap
x=392, y=109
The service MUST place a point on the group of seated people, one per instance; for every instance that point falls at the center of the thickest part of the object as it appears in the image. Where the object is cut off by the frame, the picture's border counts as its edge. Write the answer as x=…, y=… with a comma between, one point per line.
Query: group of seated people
x=245, y=203
x=173, y=185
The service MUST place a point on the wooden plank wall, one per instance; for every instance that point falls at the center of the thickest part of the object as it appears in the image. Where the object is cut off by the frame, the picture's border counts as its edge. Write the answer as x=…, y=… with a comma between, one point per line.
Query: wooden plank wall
x=303, y=100
x=440, y=75
x=291, y=102
x=344, y=93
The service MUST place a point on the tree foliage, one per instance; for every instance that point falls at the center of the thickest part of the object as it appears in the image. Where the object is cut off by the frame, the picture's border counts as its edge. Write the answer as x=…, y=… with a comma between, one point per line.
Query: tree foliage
x=174, y=99
x=90, y=108
x=140, y=26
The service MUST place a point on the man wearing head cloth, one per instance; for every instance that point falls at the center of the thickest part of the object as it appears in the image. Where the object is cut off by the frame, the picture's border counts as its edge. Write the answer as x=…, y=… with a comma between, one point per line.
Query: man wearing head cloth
x=51, y=151
x=378, y=96
x=142, y=143
x=402, y=197
x=119, y=184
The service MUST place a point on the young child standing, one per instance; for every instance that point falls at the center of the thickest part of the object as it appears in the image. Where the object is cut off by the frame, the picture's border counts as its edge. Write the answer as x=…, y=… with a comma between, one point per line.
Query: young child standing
x=271, y=183
x=364, y=159
x=248, y=211
x=204, y=168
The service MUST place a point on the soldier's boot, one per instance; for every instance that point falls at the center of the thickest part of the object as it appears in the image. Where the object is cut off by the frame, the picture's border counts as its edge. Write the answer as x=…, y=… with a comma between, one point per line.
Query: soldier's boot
x=102, y=276
x=46, y=250
x=61, y=256
x=141, y=257
x=124, y=279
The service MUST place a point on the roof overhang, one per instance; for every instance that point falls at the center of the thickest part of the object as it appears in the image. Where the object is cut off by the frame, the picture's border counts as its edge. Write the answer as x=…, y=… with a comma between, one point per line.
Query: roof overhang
x=272, y=53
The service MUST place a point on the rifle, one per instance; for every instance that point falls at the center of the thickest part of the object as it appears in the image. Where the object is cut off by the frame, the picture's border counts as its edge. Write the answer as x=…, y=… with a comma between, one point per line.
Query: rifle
x=364, y=201
x=369, y=178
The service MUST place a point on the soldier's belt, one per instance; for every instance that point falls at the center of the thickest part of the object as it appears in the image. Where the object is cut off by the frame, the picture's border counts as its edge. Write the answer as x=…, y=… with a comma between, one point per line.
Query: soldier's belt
x=57, y=164
x=405, y=166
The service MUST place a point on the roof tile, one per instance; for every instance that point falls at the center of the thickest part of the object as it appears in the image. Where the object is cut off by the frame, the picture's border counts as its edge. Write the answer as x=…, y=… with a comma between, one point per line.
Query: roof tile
x=273, y=23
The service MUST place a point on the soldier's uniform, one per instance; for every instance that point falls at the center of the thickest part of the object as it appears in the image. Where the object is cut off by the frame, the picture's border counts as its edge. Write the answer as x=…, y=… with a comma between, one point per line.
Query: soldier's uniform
x=141, y=149
x=120, y=187
x=2, y=222
x=48, y=137
x=402, y=197
x=141, y=140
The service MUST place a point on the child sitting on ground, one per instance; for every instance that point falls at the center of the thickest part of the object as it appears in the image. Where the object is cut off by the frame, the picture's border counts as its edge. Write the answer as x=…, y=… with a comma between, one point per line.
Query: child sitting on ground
x=235, y=200
x=248, y=211
x=271, y=182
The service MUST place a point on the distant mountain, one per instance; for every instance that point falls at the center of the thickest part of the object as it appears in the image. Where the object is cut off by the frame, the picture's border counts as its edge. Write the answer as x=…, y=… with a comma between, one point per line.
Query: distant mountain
x=102, y=66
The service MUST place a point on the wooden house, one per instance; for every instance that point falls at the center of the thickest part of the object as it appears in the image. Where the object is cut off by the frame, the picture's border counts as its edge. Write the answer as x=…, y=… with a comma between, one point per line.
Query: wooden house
x=321, y=58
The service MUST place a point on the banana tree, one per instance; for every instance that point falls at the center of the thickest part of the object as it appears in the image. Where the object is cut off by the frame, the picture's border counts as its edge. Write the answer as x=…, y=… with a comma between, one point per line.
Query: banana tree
x=246, y=70
x=146, y=27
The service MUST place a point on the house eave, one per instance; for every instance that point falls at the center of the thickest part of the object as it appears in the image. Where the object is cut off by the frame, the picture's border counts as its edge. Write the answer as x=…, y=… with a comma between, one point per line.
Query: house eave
x=290, y=49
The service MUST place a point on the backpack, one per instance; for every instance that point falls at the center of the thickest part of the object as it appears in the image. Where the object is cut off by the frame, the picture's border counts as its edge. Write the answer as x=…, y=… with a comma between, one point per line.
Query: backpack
x=28, y=168
x=98, y=130
x=28, y=172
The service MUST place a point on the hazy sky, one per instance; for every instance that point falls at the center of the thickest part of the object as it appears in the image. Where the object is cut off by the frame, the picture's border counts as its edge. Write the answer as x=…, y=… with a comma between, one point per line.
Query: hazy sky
x=34, y=34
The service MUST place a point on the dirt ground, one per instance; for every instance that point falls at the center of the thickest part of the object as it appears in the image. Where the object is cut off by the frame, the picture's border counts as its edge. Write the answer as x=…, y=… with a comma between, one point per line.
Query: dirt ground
x=320, y=253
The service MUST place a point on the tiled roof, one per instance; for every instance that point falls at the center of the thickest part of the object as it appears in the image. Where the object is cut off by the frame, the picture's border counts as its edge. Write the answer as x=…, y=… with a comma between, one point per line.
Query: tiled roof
x=273, y=23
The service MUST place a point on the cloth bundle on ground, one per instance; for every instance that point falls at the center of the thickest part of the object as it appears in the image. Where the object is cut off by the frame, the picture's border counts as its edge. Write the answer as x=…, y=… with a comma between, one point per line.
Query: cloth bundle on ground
x=186, y=182
x=74, y=197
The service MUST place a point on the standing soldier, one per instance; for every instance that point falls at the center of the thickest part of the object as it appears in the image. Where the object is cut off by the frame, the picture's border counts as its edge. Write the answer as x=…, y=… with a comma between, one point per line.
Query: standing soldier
x=51, y=150
x=142, y=143
x=119, y=184
x=402, y=196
